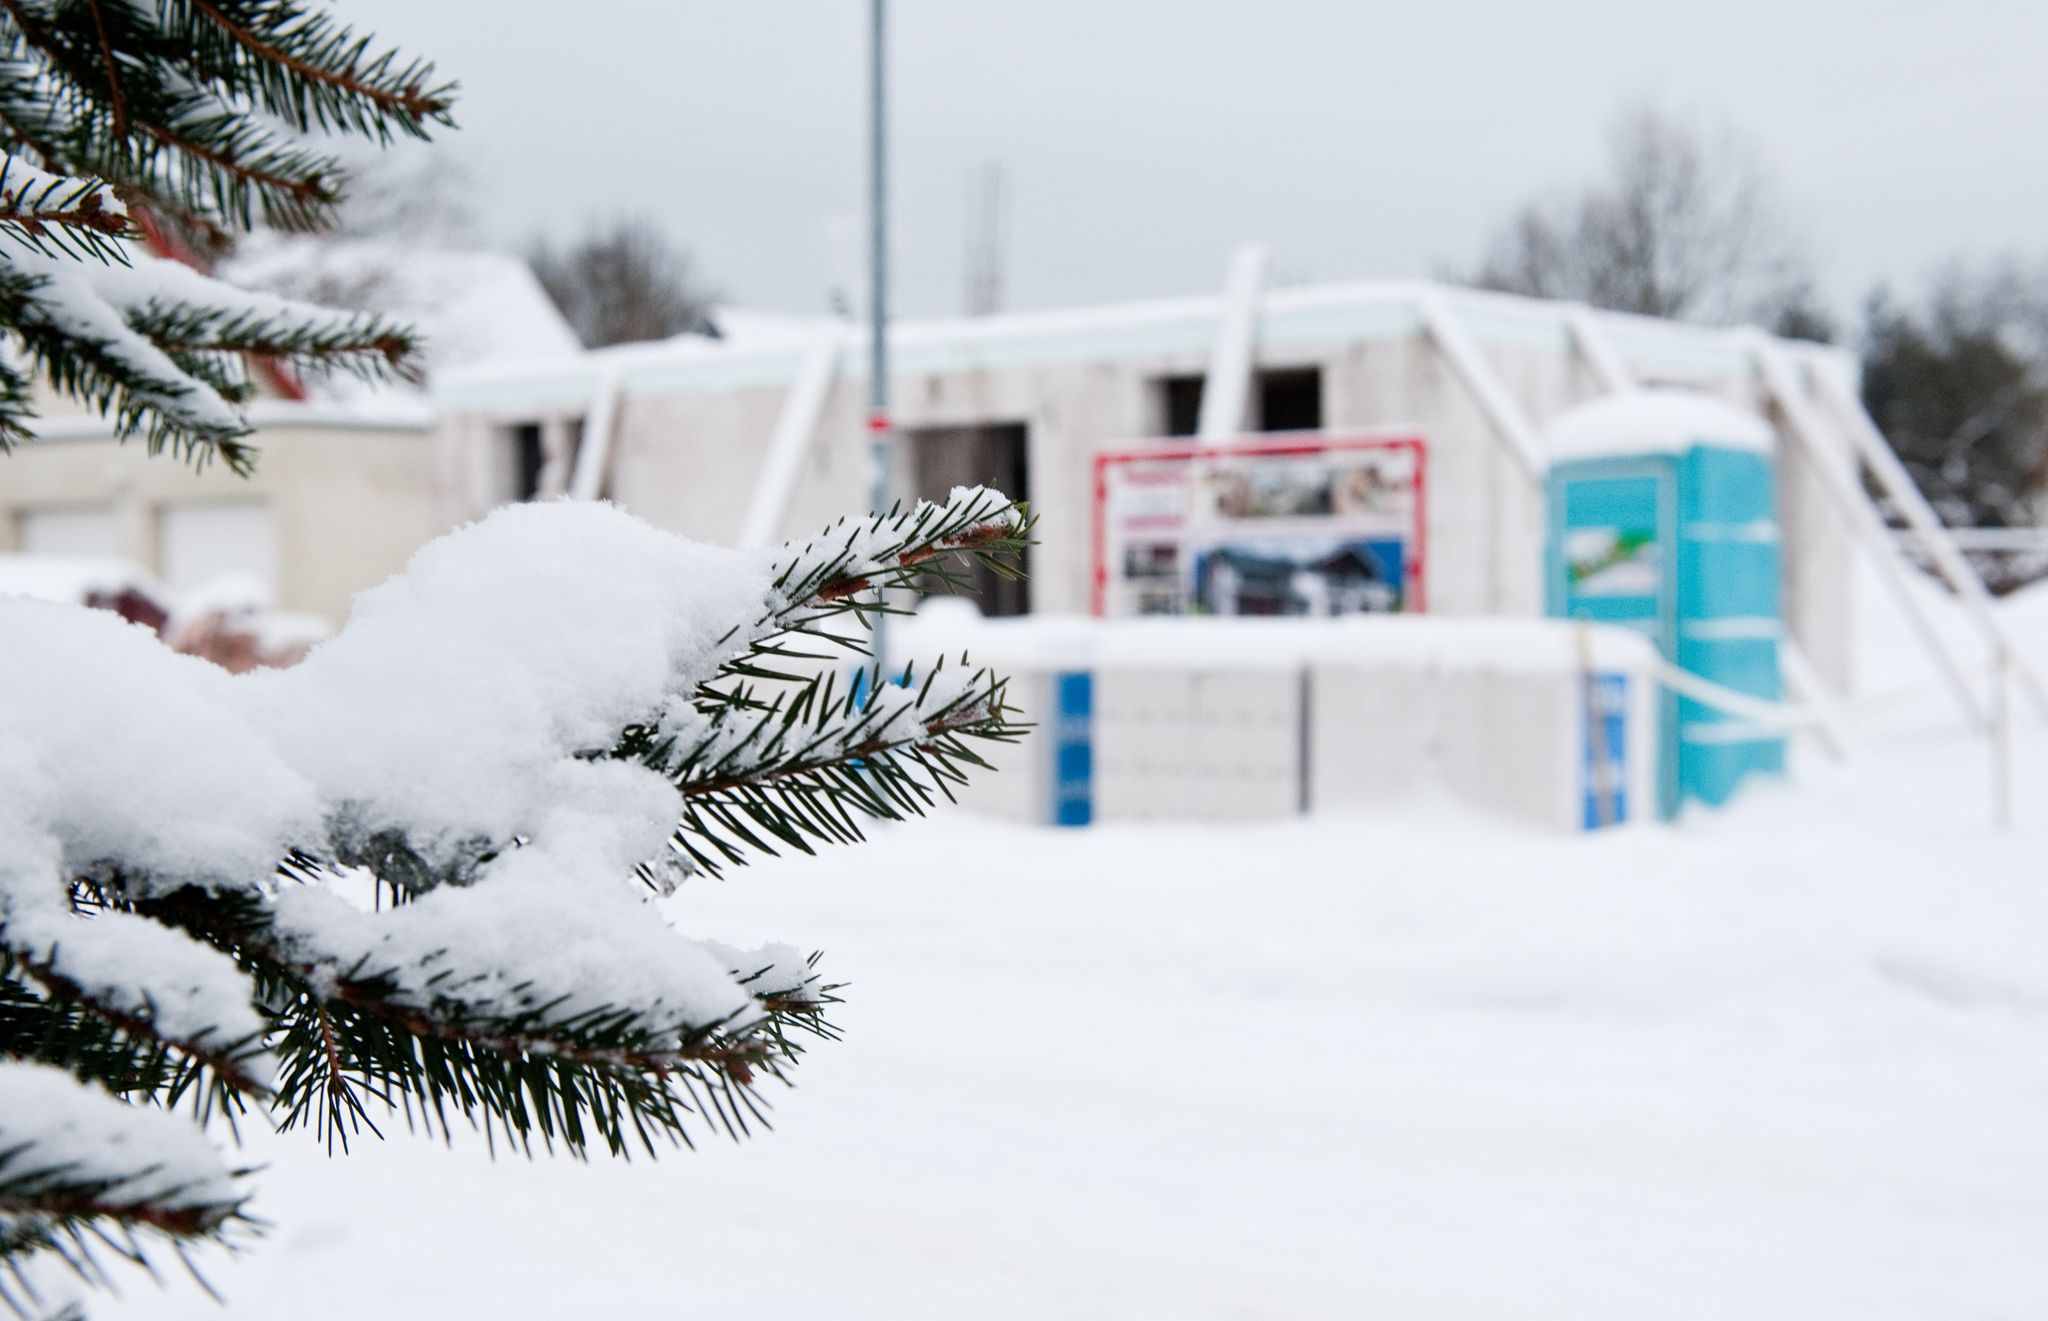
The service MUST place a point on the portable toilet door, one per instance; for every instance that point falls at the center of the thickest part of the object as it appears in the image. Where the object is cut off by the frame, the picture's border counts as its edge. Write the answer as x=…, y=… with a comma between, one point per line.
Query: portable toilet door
x=1662, y=519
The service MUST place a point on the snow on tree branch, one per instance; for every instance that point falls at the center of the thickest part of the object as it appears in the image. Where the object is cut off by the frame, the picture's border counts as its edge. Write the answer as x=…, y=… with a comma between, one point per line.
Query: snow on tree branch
x=151, y=340
x=162, y=838
x=53, y=214
x=806, y=766
x=80, y=1170
x=418, y=846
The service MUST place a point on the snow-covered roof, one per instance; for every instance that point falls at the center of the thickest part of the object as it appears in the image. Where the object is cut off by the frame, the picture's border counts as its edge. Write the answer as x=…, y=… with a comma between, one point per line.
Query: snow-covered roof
x=1659, y=421
x=1304, y=319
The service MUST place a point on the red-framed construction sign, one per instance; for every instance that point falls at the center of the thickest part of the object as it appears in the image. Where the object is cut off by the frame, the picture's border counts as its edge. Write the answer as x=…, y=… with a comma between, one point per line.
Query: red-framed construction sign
x=1296, y=524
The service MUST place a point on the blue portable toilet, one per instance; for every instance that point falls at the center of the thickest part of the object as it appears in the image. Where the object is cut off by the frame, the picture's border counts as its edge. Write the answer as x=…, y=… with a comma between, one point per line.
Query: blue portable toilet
x=1663, y=519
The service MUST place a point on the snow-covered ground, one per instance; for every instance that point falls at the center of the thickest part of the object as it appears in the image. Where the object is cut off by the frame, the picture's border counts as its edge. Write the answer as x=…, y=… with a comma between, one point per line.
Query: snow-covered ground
x=1787, y=1061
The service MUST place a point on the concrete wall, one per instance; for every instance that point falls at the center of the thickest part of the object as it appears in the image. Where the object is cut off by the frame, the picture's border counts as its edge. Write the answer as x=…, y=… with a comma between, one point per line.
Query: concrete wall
x=347, y=506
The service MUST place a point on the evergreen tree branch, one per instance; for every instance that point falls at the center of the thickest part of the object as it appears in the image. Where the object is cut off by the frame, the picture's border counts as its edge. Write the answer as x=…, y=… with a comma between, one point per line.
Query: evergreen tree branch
x=15, y=134
x=81, y=1171
x=54, y=214
x=807, y=766
x=226, y=1063
x=208, y=156
x=850, y=567
x=349, y=1034
x=368, y=346
x=16, y=401
x=87, y=350
x=120, y=107
x=310, y=51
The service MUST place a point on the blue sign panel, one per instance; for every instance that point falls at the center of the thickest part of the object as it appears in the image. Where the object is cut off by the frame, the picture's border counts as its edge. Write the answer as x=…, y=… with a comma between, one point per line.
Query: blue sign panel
x=1073, y=750
x=1604, y=777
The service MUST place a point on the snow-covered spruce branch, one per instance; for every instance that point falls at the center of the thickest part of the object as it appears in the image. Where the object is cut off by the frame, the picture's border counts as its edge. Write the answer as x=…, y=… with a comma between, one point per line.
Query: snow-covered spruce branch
x=807, y=765
x=848, y=569
x=155, y=343
x=361, y=1015
x=135, y=784
x=125, y=1019
x=583, y=1080
x=409, y=860
x=82, y=1172
x=56, y=215
x=36, y=1025
x=221, y=164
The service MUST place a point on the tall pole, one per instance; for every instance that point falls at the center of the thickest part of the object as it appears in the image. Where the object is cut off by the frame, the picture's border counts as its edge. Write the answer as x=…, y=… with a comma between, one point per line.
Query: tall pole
x=878, y=289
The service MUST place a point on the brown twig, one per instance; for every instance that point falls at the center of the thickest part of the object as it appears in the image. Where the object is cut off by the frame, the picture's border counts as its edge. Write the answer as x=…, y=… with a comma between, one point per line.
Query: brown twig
x=737, y=1061
x=90, y=213
x=925, y=741
x=181, y=1220
x=310, y=188
x=99, y=23
x=229, y=1070
x=839, y=589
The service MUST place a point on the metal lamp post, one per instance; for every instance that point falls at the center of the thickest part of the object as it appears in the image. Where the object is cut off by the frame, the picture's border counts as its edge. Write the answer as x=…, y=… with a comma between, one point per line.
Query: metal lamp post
x=879, y=430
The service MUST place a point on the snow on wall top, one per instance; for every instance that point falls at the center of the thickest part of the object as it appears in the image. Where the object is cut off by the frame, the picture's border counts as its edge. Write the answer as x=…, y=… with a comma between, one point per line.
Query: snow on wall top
x=1496, y=644
x=1659, y=421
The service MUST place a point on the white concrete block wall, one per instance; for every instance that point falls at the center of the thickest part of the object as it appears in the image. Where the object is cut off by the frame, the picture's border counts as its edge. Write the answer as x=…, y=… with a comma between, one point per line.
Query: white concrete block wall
x=1373, y=734
x=1019, y=787
x=1205, y=719
x=1200, y=744
x=1505, y=742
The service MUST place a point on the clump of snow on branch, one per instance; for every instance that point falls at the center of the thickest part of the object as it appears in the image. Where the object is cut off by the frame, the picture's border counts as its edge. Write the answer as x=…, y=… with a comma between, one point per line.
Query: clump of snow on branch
x=43, y=211
x=457, y=739
x=57, y=1130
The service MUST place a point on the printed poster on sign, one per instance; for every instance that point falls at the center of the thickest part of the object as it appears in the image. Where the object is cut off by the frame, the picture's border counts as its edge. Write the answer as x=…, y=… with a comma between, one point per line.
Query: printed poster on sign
x=1304, y=527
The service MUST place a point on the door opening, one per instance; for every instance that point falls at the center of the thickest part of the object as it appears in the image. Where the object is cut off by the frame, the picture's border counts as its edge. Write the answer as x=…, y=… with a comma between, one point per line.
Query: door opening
x=991, y=454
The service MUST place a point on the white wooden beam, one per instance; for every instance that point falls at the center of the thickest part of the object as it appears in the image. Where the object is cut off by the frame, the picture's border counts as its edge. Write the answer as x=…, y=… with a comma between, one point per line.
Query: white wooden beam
x=1839, y=481
x=557, y=458
x=1613, y=374
x=1928, y=529
x=795, y=429
x=1226, y=389
x=1510, y=425
x=594, y=456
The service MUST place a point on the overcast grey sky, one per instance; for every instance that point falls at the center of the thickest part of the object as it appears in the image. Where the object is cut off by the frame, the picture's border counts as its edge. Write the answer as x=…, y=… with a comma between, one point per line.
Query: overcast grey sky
x=1145, y=138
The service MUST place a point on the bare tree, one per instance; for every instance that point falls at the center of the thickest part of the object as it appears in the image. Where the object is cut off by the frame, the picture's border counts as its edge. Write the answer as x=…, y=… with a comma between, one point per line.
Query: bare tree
x=415, y=192
x=624, y=281
x=411, y=194
x=1686, y=224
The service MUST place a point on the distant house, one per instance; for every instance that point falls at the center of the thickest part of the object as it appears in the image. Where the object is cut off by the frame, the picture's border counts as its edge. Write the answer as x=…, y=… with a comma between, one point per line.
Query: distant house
x=346, y=486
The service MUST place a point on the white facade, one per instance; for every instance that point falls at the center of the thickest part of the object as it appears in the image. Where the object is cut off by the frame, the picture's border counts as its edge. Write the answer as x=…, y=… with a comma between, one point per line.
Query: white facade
x=337, y=503
x=688, y=441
